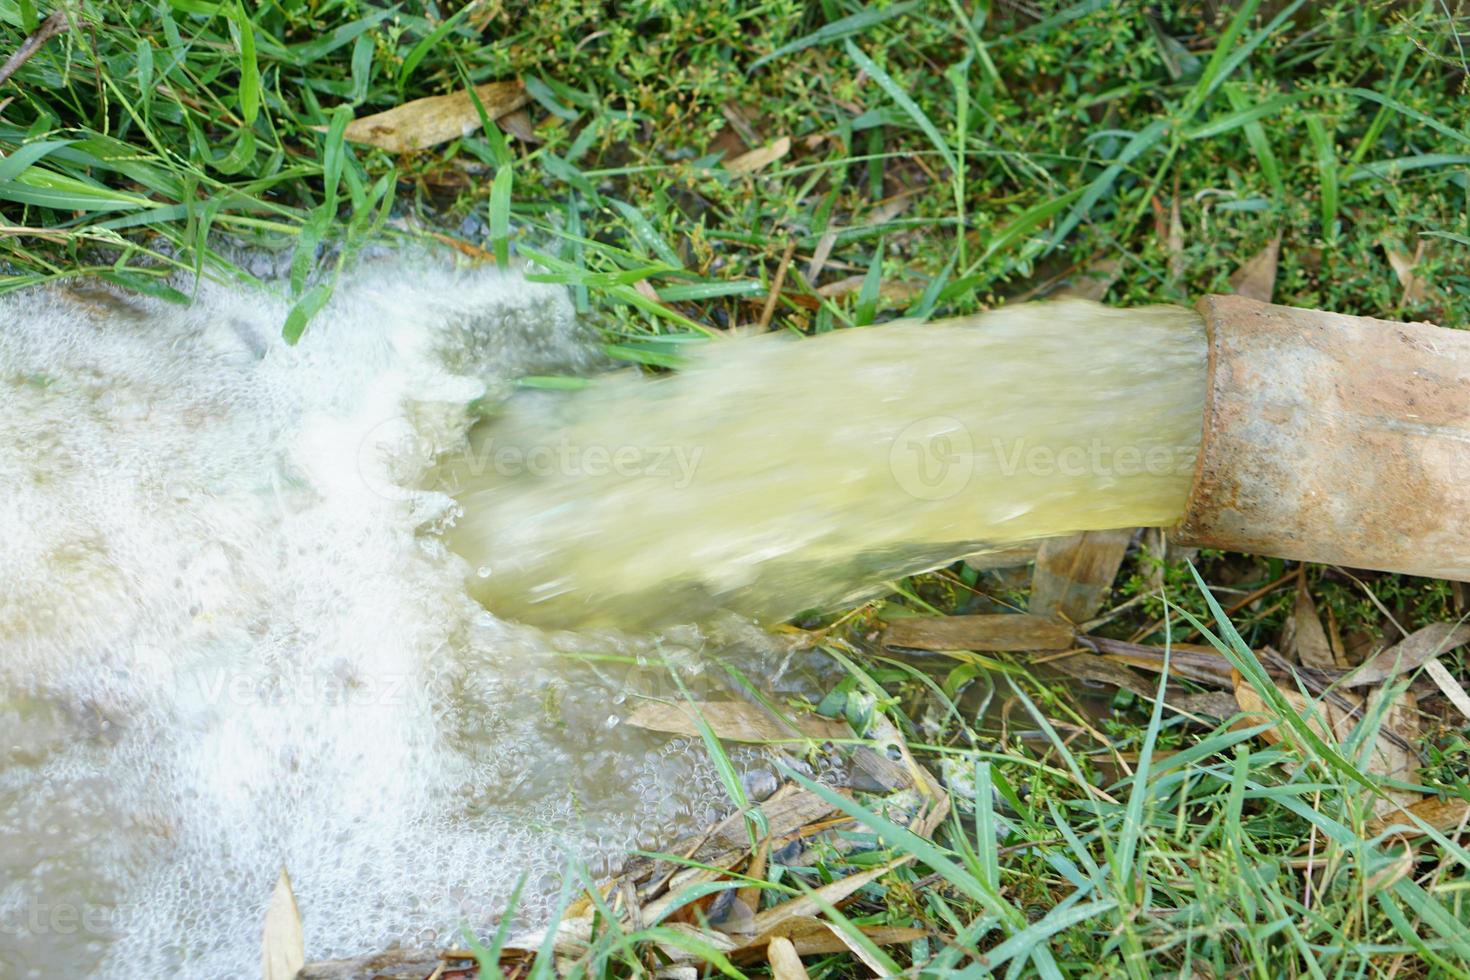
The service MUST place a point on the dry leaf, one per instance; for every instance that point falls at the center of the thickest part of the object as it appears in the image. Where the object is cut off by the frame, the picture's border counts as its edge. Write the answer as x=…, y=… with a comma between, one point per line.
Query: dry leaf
x=1305, y=640
x=1074, y=574
x=892, y=291
x=573, y=936
x=785, y=964
x=1410, y=653
x=738, y=920
x=820, y=254
x=1190, y=661
x=1398, y=867
x=1099, y=670
x=1257, y=278
x=750, y=896
x=1442, y=814
x=770, y=922
x=1092, y=282
x=645, y=289
x=1393, y=756
x=282, y=942
x=1404, y=265
x=518, y=124
x=1334, y=718
x=1176, y=238
x=857, y=950
x=760, y=157
x=813, y=937
x=394, y=964
x=678, y=954
x=437, y=119
x=1331, y=723
x=1441, y=675
x=994, y=633
x=735, y=721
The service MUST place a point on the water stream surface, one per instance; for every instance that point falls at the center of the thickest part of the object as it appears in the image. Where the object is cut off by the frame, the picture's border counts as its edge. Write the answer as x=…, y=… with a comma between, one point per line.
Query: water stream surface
x=267, y=606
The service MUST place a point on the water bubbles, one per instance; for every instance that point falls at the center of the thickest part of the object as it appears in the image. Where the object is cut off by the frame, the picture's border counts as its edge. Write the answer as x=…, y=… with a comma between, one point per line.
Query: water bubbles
x=269, y=664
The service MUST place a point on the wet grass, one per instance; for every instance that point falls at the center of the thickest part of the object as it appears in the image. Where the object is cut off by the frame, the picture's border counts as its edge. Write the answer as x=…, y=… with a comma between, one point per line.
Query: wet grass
x=944, y=155
x=1077, y=842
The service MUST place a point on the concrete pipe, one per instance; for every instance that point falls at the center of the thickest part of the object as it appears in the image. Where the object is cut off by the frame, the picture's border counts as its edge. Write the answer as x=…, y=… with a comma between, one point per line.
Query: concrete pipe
x=1336, y=439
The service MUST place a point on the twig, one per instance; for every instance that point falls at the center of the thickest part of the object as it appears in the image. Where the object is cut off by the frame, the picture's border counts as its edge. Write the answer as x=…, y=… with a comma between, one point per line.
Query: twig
x=770, y=308
x=49, y=28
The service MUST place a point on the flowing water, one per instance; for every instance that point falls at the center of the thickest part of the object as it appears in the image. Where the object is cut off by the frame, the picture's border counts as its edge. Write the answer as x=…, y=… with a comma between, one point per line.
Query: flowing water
x=233, y=635
x=771, y=475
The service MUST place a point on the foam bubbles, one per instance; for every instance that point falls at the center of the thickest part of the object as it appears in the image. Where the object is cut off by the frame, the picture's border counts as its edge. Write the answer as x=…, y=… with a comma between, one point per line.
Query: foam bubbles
x=230, y=639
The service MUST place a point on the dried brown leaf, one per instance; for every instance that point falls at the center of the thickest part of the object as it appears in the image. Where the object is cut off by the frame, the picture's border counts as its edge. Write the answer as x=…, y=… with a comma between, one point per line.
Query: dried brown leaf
x=436, y=119
x=1410, y=653
x=1306, y=640
x=1444, y=815
x=805, y=906
x=890, y=291
x=1331, y=723
x=706, y=937
x=820, y=254
x=1099, y=670
x=1404, y=265
x=573, y=936
x=1257, y=278
x=994, y=633
x=1392, y=756
x=518, y=124
x=1333, y=718
x=282, y=942
x=760, y=157
x=1093, y=282
x=785, y=963
x=1176, y=239
x=1074, y=574
x=813, y=937
x=1441, y=676
x=734, y=721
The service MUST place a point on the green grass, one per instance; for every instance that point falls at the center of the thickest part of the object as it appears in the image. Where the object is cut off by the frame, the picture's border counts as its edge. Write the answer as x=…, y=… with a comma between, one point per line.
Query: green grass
x=961, y=157
x=1163, y=849
x=946, y=155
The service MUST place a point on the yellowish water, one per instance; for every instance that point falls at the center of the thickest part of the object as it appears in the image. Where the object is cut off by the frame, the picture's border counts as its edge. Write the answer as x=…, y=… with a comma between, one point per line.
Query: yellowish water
x=772, y=475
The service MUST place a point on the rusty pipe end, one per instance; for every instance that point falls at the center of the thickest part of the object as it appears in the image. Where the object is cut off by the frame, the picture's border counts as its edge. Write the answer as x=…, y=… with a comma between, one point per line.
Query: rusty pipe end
x=1332, y=438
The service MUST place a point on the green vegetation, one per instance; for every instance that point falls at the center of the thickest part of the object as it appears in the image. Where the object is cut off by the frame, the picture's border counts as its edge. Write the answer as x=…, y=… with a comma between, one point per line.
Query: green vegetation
x=943, y=155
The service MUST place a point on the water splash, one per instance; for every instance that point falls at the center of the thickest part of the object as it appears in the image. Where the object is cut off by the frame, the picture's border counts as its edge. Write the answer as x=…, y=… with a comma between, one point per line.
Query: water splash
x=231, y=639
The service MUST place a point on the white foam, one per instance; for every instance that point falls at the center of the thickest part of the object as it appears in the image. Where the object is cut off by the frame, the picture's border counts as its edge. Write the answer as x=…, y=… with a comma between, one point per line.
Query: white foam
x=227, y=642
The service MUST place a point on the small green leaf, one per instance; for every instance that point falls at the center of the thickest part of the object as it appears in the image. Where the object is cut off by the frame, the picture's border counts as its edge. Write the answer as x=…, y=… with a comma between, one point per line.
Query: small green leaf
x=500, y=215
